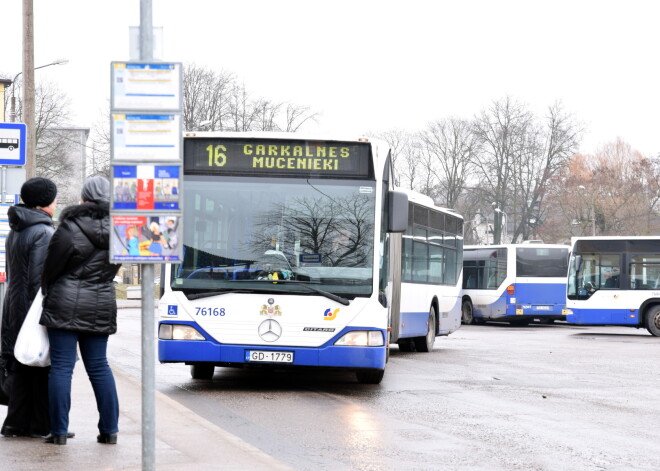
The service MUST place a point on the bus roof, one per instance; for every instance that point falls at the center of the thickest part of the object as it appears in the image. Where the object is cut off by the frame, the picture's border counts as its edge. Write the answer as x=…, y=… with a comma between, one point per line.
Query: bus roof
x=522, y=245
x=296, y=136
x=421, y=199
x=649, y=237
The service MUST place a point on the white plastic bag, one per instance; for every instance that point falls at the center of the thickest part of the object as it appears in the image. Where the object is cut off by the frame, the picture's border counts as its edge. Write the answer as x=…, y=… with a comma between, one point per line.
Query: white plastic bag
x=32, y=347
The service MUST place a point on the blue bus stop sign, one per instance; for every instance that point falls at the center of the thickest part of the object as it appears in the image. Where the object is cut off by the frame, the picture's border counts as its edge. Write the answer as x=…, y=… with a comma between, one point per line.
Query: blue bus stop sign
x=12, y=143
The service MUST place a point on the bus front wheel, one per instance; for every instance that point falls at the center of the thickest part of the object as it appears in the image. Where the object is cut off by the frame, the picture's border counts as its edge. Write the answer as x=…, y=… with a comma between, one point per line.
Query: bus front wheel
x=201, y=371
x=370, y=376
x=468, y=315
x=653, y=321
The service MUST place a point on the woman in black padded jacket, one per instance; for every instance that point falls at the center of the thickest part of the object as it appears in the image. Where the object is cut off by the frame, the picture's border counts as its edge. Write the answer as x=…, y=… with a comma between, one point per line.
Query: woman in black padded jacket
x=80, y=308
x=31, y=226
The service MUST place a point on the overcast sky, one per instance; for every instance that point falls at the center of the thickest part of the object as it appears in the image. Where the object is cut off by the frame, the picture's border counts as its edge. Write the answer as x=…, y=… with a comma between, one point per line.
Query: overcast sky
x=376, y=64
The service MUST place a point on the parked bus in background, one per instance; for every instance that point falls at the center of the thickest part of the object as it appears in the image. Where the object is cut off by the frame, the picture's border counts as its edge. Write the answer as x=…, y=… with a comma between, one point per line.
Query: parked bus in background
x=615, y=281
x=292, y=255
x=431, y=271
x=515, y=283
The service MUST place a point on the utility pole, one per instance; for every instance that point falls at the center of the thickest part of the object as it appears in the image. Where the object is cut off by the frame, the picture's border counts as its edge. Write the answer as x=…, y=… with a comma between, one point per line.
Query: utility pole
x=148, y=321
x=28, y=89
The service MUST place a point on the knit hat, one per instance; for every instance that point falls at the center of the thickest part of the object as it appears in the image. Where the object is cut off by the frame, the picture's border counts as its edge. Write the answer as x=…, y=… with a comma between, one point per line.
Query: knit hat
x=96, y=189
x=38, y=192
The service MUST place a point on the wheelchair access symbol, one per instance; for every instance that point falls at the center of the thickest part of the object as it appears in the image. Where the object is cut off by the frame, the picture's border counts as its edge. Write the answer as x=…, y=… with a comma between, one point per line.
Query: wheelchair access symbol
x=172, y=310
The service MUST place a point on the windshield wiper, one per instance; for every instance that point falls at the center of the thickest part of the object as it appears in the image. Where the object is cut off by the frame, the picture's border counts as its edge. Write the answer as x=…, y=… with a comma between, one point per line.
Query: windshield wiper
x=327, y=294
x=208, y=294
x=334, y=297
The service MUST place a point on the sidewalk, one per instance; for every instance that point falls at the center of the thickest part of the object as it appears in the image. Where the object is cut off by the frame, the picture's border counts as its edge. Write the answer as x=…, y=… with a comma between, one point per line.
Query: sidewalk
x=184, y=440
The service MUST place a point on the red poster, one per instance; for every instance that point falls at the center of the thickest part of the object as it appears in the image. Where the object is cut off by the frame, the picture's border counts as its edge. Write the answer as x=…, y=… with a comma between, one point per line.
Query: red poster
x=145, y=194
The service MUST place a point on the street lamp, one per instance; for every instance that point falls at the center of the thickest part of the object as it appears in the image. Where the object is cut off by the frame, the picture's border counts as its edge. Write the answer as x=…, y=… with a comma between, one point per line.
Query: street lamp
x=504, y=222
x=593, y=210
x=12, y=110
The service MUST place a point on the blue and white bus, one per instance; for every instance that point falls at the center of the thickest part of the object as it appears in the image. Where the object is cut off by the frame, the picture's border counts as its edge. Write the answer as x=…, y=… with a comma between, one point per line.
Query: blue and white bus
x=292, y=256
x=431, y=274
x=515, y=283
x=615, y=281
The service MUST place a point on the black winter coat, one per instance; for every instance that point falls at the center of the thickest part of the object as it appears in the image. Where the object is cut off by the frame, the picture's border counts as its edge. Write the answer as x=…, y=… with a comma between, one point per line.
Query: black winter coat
x=26, y=247
x=79, y=294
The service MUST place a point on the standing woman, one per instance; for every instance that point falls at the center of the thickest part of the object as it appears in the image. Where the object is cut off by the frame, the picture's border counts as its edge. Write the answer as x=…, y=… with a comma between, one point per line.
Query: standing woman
x=80, y=308
x=31, y=226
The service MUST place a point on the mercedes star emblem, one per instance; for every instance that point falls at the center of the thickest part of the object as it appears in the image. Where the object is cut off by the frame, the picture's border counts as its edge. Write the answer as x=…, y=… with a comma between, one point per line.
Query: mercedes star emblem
x=270, y=330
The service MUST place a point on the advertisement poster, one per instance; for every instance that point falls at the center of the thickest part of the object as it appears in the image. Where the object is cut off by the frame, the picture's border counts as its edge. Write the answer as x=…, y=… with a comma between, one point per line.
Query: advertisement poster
x=146, y=187
x=150, y=239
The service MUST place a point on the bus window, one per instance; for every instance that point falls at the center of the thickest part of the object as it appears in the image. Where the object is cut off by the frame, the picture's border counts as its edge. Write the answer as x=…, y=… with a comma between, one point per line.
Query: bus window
x=645, y=272
x=598, y=271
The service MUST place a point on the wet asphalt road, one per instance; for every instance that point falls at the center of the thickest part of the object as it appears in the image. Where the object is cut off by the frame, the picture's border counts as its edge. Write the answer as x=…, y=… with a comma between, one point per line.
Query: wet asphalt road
x=488, y=397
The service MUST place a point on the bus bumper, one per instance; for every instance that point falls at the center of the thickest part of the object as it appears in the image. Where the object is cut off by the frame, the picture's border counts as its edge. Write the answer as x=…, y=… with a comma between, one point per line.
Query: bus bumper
x=602, y=316
x=327, y=355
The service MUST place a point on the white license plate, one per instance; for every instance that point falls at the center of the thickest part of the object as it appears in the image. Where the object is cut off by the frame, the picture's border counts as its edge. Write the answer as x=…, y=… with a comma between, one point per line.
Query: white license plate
x=261, y=356
x=542, y=308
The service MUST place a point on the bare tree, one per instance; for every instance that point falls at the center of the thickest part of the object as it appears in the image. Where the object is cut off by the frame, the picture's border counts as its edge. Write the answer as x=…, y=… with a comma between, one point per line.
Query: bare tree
x=449, y=146
x=297, y=116
x=615, y=191
x=206, y=97
x=501, y=133
x=100, y=147
x=548, y=146
x=627, y=191
x=405, y=157
x=52, y=111
x=216, y=101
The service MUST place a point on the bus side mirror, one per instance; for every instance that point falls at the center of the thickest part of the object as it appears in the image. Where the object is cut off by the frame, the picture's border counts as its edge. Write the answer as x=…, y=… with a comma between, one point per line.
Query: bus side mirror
x=397, y=211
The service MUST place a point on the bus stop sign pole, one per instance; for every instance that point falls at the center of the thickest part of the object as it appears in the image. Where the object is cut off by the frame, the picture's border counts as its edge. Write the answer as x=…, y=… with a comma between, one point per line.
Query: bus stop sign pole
x=148, y=321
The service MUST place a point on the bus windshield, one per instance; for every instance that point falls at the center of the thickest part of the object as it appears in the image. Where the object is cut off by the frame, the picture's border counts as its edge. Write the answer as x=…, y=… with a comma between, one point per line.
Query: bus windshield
x=277, y=235
x=593, y=272
x=541, y=262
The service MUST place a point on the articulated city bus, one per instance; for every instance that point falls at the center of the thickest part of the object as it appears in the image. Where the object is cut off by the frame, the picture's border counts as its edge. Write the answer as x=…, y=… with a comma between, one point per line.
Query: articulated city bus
x=516, y=283
x=615, y=281
x=431, y=274
x=289, y=247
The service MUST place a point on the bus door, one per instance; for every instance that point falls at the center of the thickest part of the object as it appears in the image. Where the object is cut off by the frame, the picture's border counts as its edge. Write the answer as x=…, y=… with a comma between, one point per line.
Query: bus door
x=599, y=282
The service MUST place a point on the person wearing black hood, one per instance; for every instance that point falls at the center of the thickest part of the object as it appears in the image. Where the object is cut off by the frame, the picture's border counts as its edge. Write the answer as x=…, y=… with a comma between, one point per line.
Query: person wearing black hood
x=80, y=309
x=31, y=226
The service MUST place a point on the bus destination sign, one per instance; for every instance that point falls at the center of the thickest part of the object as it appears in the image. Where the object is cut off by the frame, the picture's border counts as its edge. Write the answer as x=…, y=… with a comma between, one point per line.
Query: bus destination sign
x=276, y=157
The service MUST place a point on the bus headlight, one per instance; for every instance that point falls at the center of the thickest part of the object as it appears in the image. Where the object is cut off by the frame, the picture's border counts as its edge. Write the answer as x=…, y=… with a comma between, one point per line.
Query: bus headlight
x=178, y=332
x=361, y=338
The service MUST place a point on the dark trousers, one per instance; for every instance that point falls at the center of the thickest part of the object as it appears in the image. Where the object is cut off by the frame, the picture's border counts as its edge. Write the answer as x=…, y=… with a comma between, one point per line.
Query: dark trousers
x=93, y=350
x=27, y=412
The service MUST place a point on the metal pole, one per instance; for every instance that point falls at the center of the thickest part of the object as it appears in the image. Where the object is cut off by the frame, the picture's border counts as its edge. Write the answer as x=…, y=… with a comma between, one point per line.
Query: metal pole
x=28, y=89
x=146, y=31
x=593, y=217
x=12, y=108
x=148, y=370
x=148, y=321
